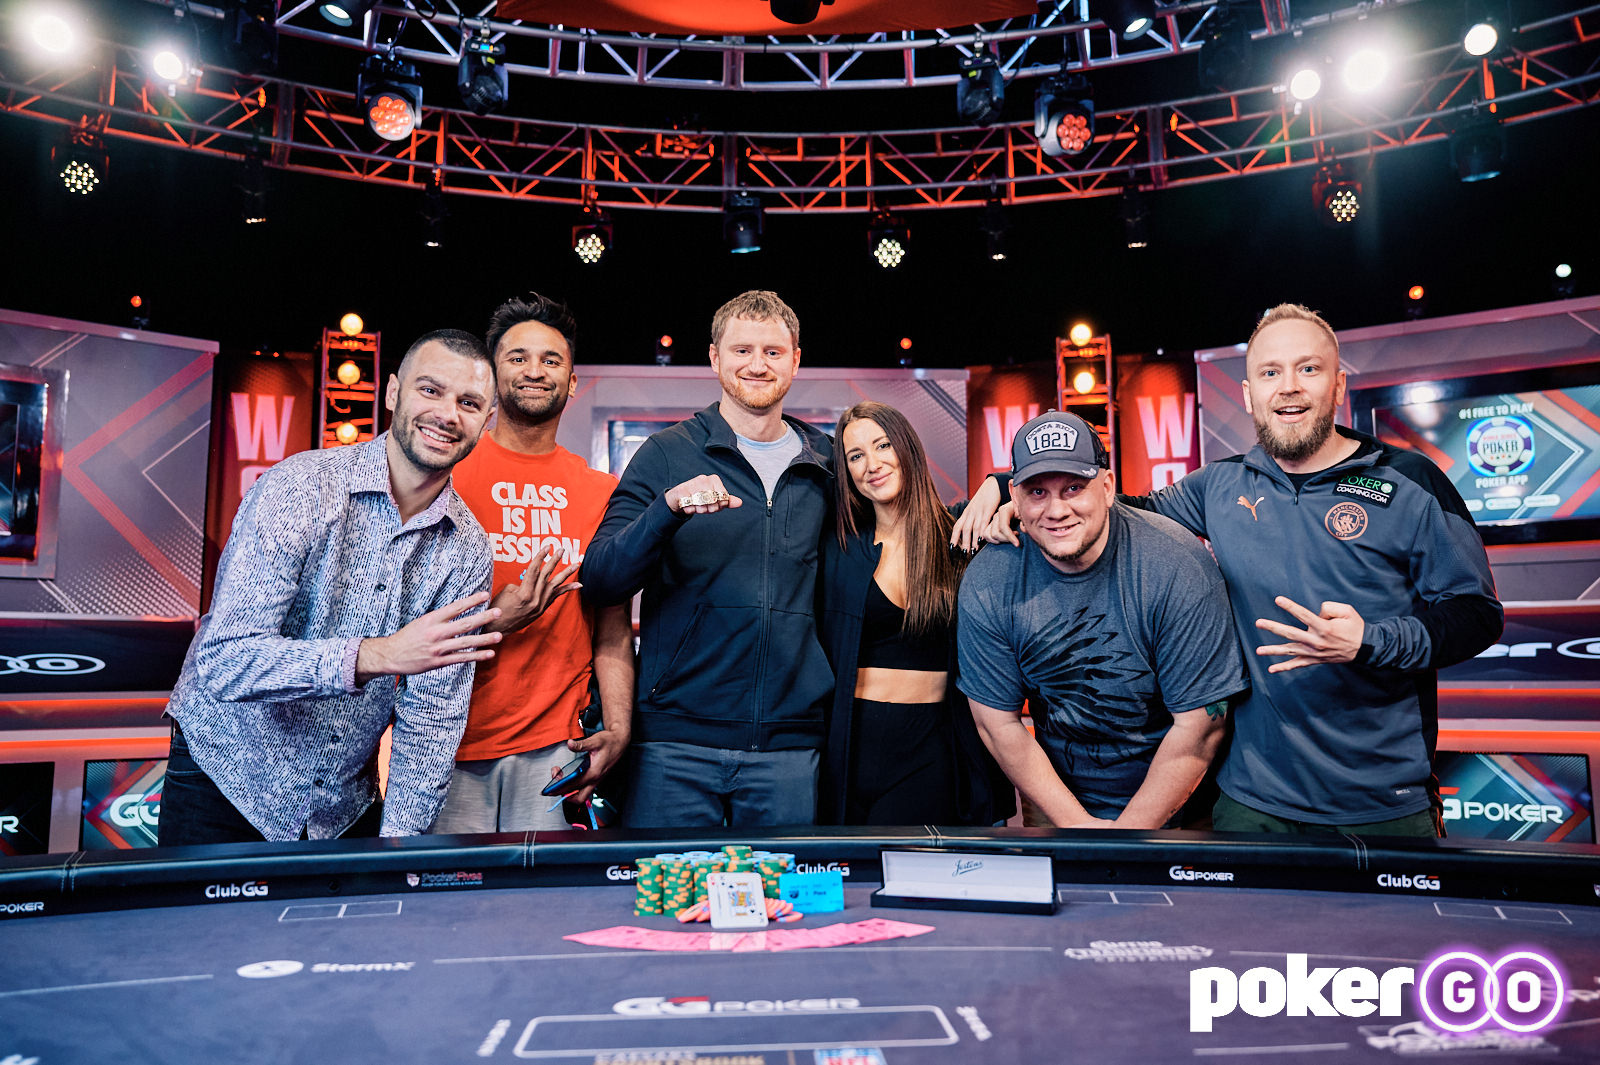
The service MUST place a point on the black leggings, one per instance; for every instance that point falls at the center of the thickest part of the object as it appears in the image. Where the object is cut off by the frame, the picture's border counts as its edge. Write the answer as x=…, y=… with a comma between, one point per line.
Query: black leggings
x=902, y=769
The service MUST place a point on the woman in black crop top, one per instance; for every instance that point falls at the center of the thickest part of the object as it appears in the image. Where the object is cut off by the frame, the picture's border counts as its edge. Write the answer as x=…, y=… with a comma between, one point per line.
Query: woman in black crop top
x=902, y=749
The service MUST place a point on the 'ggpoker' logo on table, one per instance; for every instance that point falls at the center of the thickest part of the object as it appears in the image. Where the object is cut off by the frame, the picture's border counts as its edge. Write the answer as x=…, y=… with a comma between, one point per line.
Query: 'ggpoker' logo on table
x=1500, y=447
x=657, y=1006
x=1459, y=990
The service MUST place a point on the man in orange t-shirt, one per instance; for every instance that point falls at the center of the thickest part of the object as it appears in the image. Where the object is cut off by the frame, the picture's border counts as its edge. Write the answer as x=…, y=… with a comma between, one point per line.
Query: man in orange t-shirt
x=540, y=504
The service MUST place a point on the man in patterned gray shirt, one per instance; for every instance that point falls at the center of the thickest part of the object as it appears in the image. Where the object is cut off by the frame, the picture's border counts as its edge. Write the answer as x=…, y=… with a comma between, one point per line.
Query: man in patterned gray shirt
x=341, y=605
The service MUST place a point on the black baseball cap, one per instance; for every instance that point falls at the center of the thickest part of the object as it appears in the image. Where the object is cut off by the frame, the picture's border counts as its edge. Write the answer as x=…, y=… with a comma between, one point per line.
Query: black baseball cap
x=1056, y=442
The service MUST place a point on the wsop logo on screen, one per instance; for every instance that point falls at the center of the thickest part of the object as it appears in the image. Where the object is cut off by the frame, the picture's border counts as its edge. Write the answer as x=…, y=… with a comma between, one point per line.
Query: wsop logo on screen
x=1189, y=872
x=1458, y=989
x=1409, y=881
x=444, y=880
x=657, y=1006
x=1500, y=447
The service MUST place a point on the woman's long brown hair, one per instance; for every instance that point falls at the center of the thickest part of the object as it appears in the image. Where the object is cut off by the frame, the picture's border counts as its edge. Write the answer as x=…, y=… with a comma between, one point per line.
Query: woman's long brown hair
x=932, y=573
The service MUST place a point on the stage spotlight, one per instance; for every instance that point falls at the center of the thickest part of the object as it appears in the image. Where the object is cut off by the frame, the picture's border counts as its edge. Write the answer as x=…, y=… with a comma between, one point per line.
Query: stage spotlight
x=995, y=227
x=1063, y=116
x=1135, y=214
x=1305, y=83
x=434, y=212
x=170, y=67
x=1130, y=19
x=1083, y=382
x=52, y=33
x=1080, y=333
x=253, y=191
x=347, y=432
x=82, y=163
x=390, y=96
x=1416, y=302
x=1562, y=281
x=1225, y=53
x=481, y=77
x=253, y=34
x=797, y=12
x=348, y=373
x=351, y=324
x=1365, y=70
x=1336, y=195
x=1485, y=21
x=743, y=222
x=981, y=92
x=888, y=239
x=345, y=12
x=1478, y=148
x=591, y=238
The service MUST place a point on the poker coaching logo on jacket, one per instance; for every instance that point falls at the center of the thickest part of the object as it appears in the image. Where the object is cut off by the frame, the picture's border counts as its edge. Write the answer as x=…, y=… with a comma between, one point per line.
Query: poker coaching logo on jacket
x=1346, y=521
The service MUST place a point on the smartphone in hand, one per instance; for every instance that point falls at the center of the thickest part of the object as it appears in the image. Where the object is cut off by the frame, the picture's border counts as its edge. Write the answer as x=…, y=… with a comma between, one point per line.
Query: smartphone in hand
x=569, y=774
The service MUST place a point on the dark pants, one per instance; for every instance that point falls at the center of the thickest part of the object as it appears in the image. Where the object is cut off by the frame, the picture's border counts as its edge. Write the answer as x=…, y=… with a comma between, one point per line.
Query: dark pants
x=904, y=766
x=682, y=785
x=194, y=810
x=1229, y=815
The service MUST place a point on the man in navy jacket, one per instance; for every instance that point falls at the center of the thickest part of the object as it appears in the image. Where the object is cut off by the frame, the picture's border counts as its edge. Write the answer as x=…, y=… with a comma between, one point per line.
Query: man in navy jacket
x=718, y=520
x=1389, y=583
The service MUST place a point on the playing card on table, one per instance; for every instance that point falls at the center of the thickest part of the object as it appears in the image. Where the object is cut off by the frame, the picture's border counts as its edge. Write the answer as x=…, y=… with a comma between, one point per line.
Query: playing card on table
x=619, y=936
x=879, y=928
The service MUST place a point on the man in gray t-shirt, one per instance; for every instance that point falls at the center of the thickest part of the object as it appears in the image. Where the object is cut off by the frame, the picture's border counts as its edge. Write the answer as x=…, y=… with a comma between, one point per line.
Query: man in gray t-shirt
x=1115, y=623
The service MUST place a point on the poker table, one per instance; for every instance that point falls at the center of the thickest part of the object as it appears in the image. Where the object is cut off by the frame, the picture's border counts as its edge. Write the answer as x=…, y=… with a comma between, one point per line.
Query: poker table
x=453, y=949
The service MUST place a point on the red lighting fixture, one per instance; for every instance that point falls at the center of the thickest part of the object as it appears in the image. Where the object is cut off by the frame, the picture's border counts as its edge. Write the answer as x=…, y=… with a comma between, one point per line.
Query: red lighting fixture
x=390, y=96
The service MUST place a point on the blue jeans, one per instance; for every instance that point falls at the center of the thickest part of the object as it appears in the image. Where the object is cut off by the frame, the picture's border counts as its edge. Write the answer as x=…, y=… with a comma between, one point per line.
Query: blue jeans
x=681, y=785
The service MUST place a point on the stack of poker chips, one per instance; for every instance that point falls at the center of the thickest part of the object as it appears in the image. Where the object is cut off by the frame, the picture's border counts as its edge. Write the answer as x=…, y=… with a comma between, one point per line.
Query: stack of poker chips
x=671, y=883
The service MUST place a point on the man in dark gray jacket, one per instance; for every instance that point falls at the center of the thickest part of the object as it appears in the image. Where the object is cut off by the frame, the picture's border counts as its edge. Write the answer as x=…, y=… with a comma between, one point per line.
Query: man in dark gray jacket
x=1355, y=572
x=718, y=520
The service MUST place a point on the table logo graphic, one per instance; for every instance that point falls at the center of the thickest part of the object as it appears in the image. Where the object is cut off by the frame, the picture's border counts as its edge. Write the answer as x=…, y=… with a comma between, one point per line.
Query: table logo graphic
x=657, y=1006
x=10, y=824
x=842, y=868
x=50, y=664
x=1458, y=989
x=1409, y=881
x=1104, y=950
x=620, y=872
x=11, y=909
x=250, y=889
x=262, y=970
x=445, y=880
x=1415, y=1037
x=1189, y=872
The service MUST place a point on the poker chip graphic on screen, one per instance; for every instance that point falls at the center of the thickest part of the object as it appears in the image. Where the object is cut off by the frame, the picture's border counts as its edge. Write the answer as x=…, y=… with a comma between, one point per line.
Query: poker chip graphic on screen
x=1500, y=446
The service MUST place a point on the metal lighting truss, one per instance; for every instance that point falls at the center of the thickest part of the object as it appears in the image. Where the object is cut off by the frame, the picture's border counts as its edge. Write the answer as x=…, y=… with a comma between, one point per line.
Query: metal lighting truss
x=1552, y=67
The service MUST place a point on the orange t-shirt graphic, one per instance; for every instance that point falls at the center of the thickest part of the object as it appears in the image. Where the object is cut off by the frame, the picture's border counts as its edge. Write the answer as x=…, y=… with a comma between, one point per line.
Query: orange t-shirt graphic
x=529, y=694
